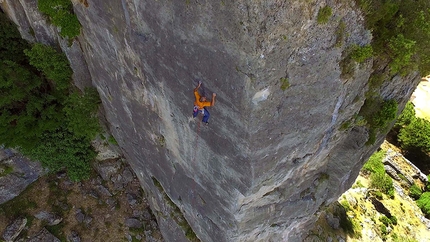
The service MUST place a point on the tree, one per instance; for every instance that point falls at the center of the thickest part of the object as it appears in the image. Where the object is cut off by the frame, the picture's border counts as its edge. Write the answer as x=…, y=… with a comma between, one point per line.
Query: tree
x=407, y=116
x=62, y=149
x=81, y=113
x=416, y=135
x=53, y=64
x=11, y=43
x=38, y=115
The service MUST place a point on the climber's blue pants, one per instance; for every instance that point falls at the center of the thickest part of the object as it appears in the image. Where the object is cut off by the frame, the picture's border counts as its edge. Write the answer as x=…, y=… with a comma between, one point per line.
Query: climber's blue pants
x=206, y=116
x=205, y=112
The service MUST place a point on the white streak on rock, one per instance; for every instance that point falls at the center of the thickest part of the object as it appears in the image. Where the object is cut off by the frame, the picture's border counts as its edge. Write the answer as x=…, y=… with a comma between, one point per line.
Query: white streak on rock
x=260, y=96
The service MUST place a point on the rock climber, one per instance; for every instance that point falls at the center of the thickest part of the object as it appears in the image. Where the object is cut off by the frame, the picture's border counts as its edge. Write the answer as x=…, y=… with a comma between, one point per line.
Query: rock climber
x=201, y=103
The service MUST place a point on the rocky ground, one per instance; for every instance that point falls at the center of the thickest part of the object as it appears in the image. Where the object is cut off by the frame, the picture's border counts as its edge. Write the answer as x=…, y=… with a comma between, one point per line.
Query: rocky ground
x=110, y=206
x=356, y=216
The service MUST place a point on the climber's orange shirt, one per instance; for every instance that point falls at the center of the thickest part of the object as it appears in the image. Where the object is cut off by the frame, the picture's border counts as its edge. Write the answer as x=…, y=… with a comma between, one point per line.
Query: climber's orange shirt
x=199, y=104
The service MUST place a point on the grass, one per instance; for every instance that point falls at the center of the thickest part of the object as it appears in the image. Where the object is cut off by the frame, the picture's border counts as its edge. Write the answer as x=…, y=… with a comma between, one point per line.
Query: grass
x=374, y=164
x=285, y=84
x=324, y=15
x=340, y=34
x=5, y=170
x=19, y=206
x=112, y=140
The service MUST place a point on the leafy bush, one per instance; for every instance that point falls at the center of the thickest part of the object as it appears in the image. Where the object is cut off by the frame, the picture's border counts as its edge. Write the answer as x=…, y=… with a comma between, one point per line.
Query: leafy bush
x=393, y=220
x=62, y=149
x=416, y=135
x=407, y=116
x=324, y=15
x=424, y=203
x=61, y=15
x=378, y=114
x=415, y=192
x=402, y=51
x=27, y=110
x=401, y=33
x=11, y=43
x=428, y=183
x=360, y=54
x=385, y=114
x=53, y=64
x=386, y=221
x=81, y=113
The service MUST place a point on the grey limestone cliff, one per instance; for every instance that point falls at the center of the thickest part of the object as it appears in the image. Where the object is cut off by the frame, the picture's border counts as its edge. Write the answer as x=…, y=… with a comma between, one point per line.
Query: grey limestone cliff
x=274, y=151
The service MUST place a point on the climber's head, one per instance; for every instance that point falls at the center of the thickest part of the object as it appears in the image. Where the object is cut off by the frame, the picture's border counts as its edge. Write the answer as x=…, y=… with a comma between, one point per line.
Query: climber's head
x=203, y=99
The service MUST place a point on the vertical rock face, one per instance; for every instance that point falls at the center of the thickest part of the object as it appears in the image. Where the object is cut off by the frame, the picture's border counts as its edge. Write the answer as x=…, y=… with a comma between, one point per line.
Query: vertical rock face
x=274, y=152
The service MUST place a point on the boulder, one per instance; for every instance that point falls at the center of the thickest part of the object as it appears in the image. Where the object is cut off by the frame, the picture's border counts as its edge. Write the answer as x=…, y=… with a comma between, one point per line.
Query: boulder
x=103, y=191
x=50, y=218
x=392, y=172
x=24, y=172
x=44, y=236
x=80, y=216
x=107, y=168
x=13, y=230
x=73, y=237
x=133, y=223
x=333, y=221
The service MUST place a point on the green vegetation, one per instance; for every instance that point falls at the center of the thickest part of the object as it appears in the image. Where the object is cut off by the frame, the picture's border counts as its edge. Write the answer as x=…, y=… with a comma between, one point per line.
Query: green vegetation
x=413, y=133
x=401, y=40
x=383, y=183
x=352, y=55
x=284, y=83
x=324, y=15
x=374, y=164
x=361, y=53
x=378, y=178
x=415, y=192
x=5, y=169
x=112, y=140
x=378, y=114
x=53, y=64
x=348, y=225
x=424, y=203
x=61, y=14
x=340, y=33
x=63, y=149
x=428, y=183
x=406, y=117
x=401, y=33
x=415, y=136
x=388, y=221
x=80, y=111
x=42, y=114
x=18, y=206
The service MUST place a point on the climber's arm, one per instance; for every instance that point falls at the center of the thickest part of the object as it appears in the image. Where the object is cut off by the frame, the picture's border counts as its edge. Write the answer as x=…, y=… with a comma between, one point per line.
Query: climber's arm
x=213, y=99
x=197, y=87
